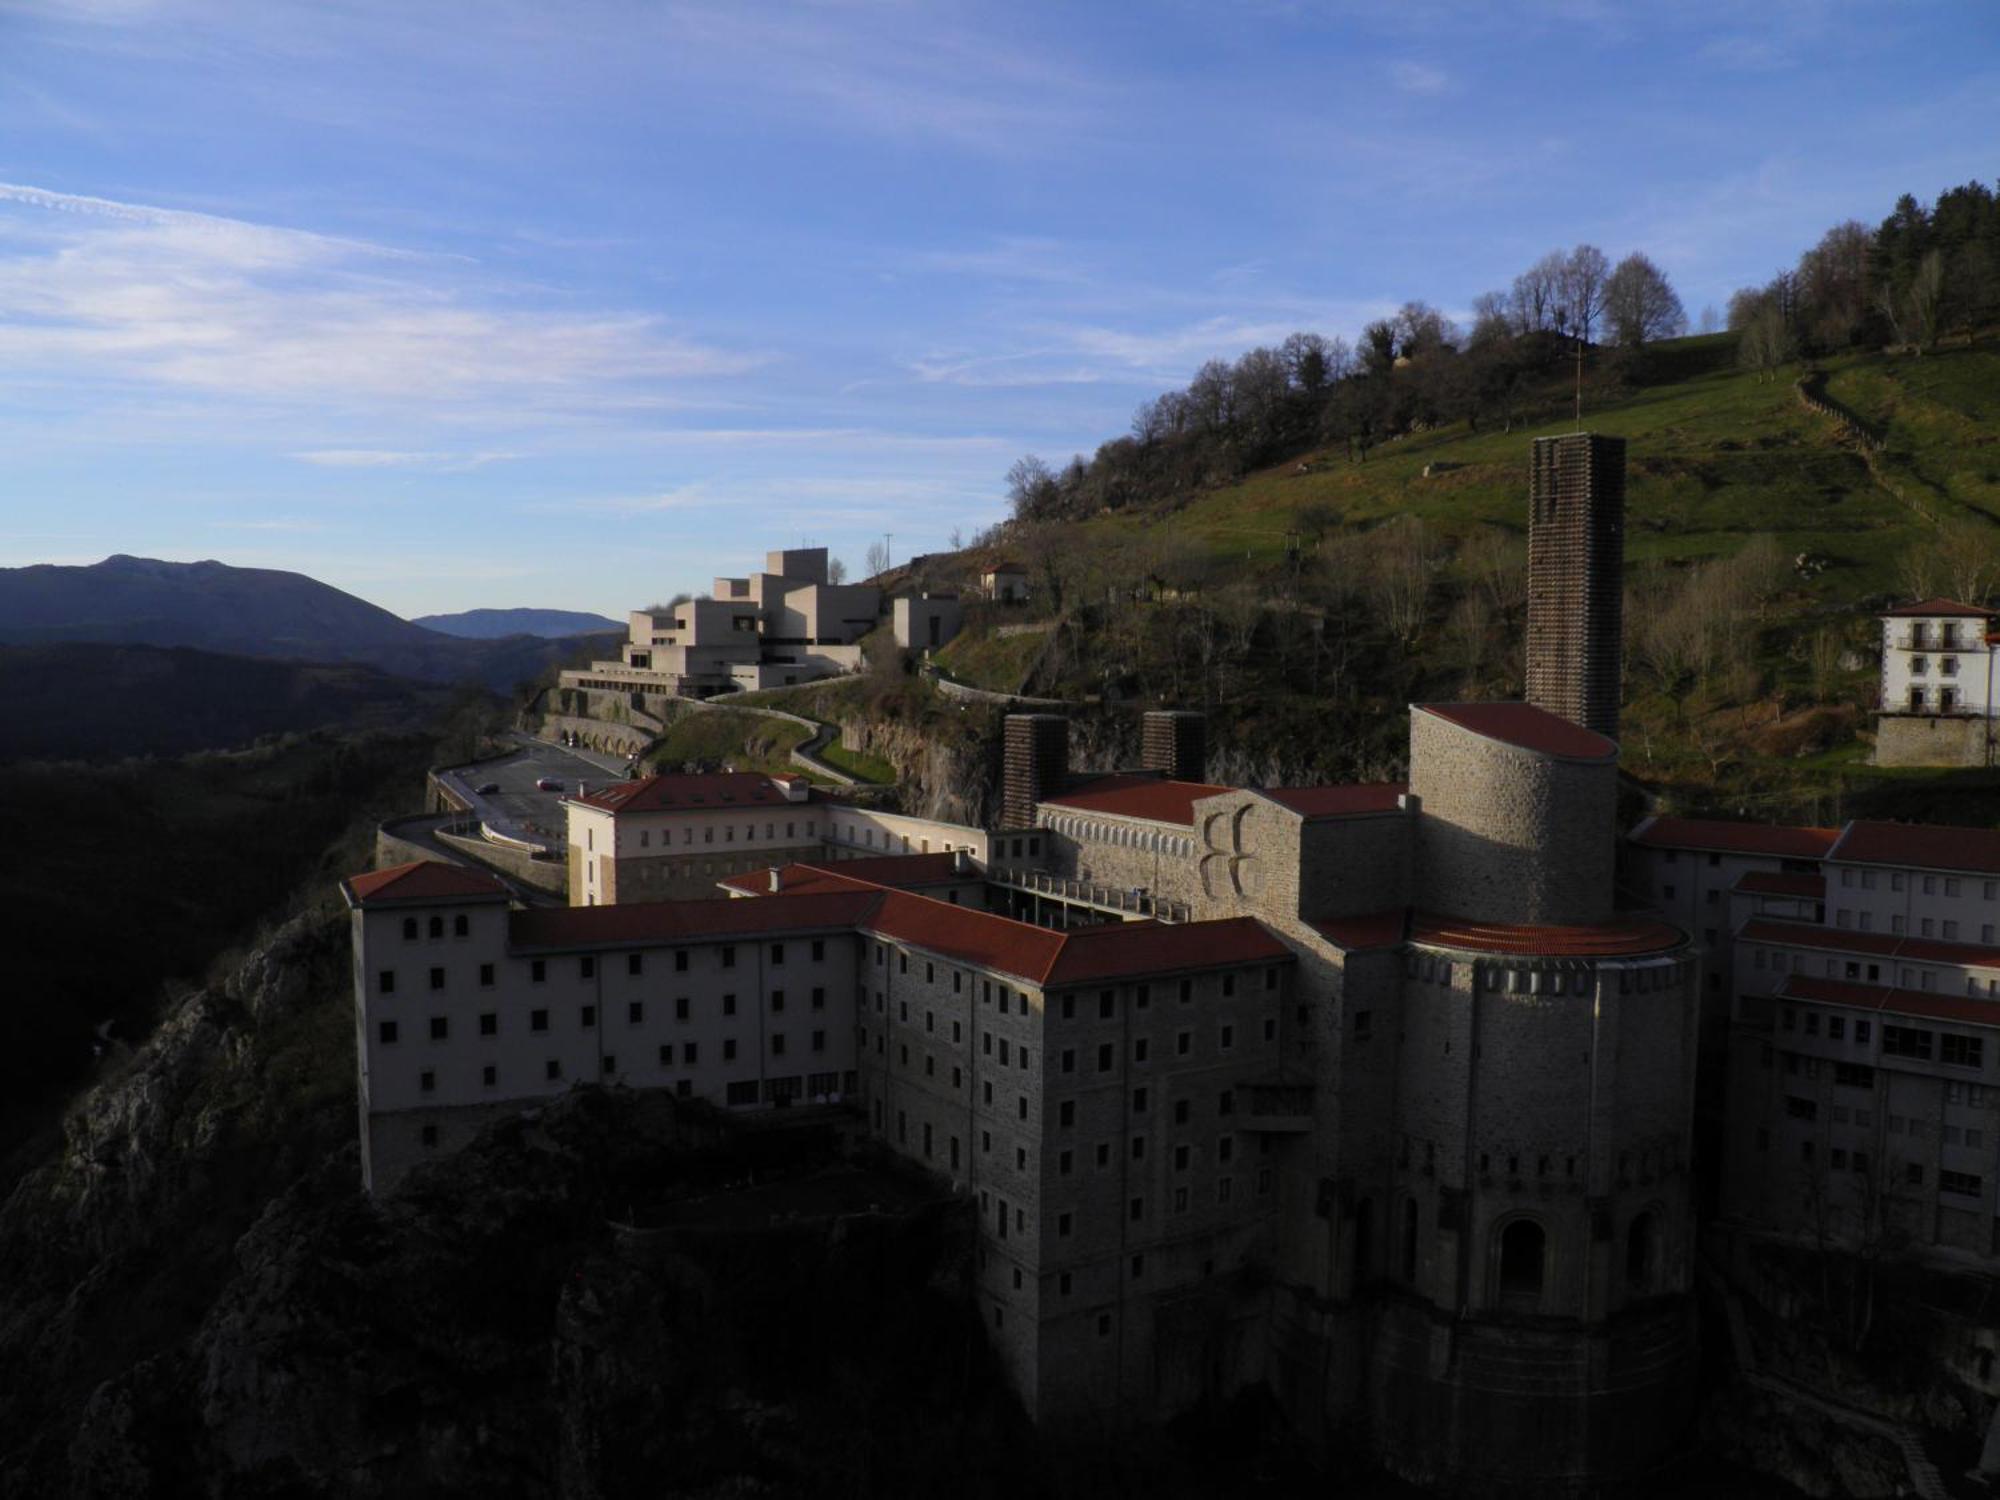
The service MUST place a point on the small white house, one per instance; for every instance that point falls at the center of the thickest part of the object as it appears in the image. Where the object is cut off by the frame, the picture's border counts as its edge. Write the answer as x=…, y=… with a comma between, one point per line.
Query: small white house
x=1936, y=659
x=1938, y=687
x=1007, y=582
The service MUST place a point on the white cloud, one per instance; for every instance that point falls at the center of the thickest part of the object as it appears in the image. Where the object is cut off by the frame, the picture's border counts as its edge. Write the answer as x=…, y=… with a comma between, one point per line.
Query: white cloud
x=389, y=458
x=137, y=295
x=1419, y=78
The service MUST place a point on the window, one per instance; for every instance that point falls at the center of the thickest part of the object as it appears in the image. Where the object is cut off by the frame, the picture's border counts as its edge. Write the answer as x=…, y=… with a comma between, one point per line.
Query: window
x=437, y=979
x=385, y=982
x=587, y=1016
x=729, y=1049
x=1138, y=1050
x=728, y=955
x=552, y=1069
x=486, y=976
x=1966, y=1183
x=387, y=1031
x=1066, y=1113
x=1105, y=1059
x=1905, y=1041
x=1069, y=1060
x=1913, y=1173
x=538, y=1020
x=538, y=970
x=690, y=1053
x=777, y=953
x=440, y=1028
x=777, y=1044
x=1961, y=1051
x=729, y=1005
x=680, y=961
x=1228, y=1037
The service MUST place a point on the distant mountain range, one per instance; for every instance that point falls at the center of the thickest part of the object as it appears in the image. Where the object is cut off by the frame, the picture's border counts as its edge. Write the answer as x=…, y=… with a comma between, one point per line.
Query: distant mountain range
x=497, y=624
x=251, y=612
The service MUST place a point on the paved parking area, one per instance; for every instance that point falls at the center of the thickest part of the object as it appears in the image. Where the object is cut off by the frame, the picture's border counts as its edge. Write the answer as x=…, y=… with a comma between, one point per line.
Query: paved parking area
x=518, y=808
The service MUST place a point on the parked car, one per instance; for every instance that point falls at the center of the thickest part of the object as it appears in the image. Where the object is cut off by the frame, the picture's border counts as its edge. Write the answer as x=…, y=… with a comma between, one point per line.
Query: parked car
x=489, y=788
x=548, y=784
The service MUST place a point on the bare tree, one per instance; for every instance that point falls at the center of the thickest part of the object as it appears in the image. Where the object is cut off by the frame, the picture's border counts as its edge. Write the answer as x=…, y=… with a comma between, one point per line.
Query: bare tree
x=1585, y=275
x=1640, y=305
x=877, y=560
x=1711, y=320
x=1823, y=655
x=1404, y=567
x=836, y=571
x=1925, y=297
x=1537, y=295
x=1767, y=342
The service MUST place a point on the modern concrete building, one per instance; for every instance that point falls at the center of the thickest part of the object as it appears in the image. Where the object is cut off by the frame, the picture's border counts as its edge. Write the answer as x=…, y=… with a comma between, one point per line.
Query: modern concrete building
x=924, y=622
x=782, y=626
x=1938, y=692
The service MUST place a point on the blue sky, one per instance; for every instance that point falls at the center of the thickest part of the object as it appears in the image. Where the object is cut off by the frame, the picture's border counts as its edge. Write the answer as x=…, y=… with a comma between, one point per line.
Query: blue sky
x=571, y=305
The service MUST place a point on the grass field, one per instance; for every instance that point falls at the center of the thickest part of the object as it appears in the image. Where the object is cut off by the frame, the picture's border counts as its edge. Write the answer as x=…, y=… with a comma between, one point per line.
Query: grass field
x=1714, y=457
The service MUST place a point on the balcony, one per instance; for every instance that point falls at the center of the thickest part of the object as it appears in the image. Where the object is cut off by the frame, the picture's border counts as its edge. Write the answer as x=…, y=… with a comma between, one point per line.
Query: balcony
x=1130, y=902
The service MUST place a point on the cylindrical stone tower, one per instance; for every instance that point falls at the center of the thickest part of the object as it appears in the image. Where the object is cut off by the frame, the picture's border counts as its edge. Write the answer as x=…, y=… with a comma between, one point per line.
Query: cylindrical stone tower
x=1518, y=814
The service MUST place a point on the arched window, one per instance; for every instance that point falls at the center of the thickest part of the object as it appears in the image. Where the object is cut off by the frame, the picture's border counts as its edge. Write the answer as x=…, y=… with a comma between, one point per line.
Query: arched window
x=1523, y=1253
x=1642, y=1253
x=437, y=926
x=1410, y=1240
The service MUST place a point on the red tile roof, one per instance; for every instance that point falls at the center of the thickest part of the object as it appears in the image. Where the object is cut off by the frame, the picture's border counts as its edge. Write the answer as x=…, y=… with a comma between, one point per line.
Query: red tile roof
x=1525, y=727
x=720, y=790
x=1928, y=846
x=1381, y=929
x=1966, y=1009
x=1725, y=837
x=1046, y=958
x=1312, y=802
x=1147, y=798
x=903, y=871
x=422, y=880
x=959, y=933
x=1933, y=609
x=1621, y=937
x=1876, y=944
x=1772, y=883
x=687, y=921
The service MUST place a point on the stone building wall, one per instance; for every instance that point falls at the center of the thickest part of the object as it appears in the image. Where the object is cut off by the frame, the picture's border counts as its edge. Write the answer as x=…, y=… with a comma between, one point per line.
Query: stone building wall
x=1509, y=835
x=1920, y=740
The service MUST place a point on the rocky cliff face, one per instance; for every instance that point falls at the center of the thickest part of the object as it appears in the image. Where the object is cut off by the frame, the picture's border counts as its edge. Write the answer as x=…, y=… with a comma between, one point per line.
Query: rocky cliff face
x=195, y=1299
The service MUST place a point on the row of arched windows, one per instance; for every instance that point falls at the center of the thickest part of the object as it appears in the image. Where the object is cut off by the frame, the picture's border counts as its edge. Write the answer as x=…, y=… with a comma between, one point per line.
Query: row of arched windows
x=1121, y=836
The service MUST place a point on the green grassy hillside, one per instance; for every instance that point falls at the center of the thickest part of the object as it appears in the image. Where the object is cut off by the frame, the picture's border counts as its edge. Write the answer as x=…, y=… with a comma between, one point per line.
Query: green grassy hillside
x=1307, y=603
x=1715, y=454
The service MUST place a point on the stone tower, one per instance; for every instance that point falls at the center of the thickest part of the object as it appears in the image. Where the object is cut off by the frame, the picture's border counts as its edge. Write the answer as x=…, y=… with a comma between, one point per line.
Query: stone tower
x=1174, y=743
x=1576, y=577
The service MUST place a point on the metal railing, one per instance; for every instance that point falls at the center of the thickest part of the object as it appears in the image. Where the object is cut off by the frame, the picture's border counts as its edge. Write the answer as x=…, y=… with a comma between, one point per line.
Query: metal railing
x=1124, y=900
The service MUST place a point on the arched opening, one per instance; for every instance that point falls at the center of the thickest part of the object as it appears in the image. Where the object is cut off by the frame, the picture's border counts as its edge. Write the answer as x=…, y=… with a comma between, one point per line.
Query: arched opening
x=1410, y=1240
x=1364, y=1237
x=1641, y=1253
x=437, y=927
x=1523, y=1252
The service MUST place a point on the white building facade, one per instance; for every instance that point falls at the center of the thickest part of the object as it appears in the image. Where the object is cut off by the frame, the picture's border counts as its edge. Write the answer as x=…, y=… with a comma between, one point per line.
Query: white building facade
x=1937, y=687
